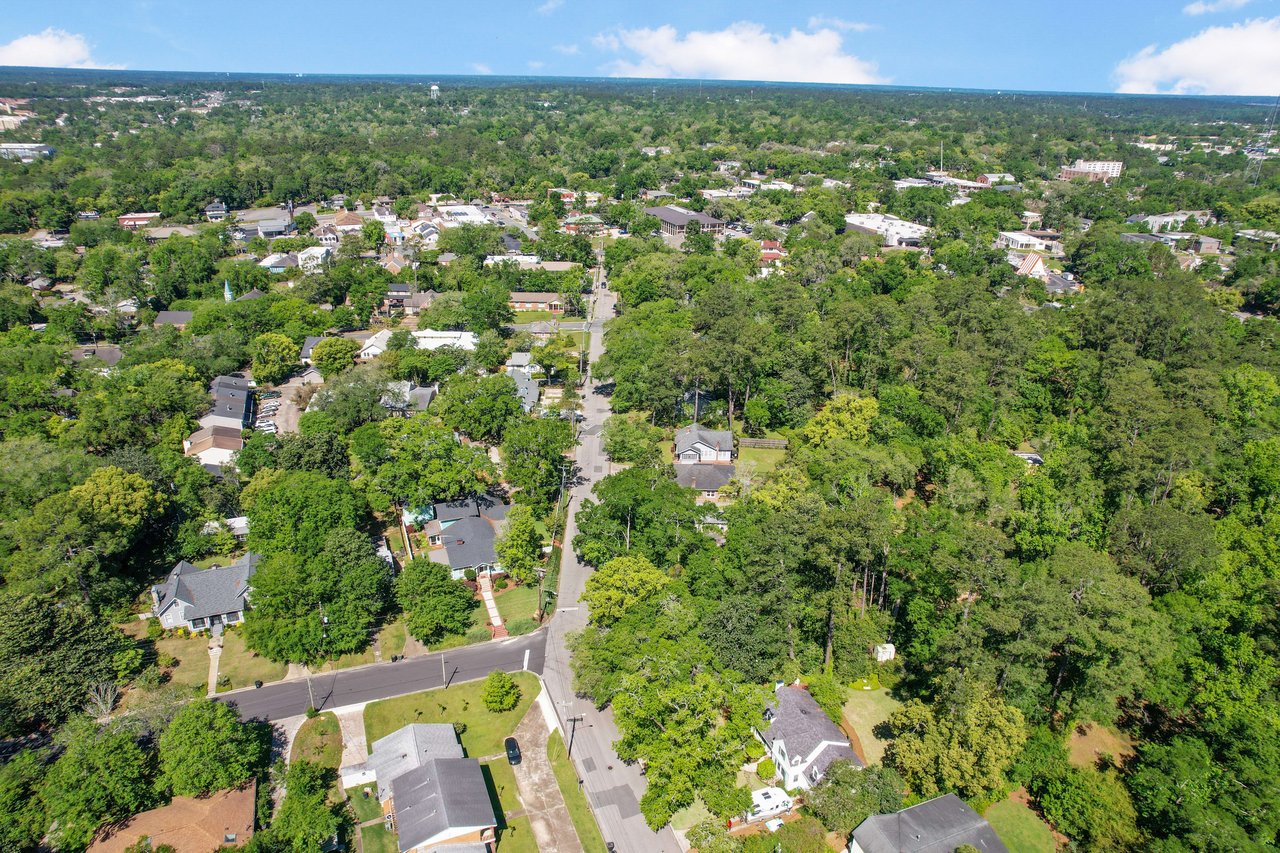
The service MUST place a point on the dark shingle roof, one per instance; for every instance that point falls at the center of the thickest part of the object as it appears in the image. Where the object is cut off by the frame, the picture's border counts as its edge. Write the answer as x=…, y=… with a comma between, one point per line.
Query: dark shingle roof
x=937, y=826
x=441, y=794
x=704, y=476
x=173, y=318
x=720, y=439
x=802, y=726
x=406, y=748
x=207, y=592
x=680, y=217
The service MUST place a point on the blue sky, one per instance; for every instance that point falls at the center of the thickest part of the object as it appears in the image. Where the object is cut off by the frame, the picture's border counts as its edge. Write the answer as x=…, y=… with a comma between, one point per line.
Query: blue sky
x=1181, y=46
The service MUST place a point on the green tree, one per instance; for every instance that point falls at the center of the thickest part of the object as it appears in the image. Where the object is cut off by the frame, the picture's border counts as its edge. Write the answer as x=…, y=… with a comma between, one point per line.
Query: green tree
x=207, y=748
x=488, y=306
x=22, y=813
x=619, y=585
x=51, y=653
x=847, y=417
x=373, y=234
x=433, y=602
x=500, y=692
x=306, y=819
x=533, y=458
x=101, y=776
x=427, y=465
x=629, y=438
x=333, y=355
x=849, y=794
x=304, y=221
x=519, y=545
x=964, y=742
x=480, y=407
x=274, y=357
x=291, y=512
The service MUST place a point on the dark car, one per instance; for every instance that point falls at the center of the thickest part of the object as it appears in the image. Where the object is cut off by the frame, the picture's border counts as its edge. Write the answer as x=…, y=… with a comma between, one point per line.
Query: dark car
x=513, y=750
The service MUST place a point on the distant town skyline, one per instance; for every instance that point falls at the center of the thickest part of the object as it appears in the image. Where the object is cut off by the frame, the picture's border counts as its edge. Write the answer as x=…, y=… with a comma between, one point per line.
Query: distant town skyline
x=1213, y=47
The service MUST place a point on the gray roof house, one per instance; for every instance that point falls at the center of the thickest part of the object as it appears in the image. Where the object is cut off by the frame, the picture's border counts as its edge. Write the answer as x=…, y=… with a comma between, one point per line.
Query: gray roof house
x=939, y=825
x=437, y=799
x=462, y=533
x=307, y=346
x=526, y=389
x=173, y=318
x=801, y=739
x=704, y=460
x=204, y=598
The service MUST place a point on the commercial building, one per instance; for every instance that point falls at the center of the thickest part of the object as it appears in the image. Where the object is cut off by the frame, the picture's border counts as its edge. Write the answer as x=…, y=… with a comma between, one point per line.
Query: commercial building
x=677, y=221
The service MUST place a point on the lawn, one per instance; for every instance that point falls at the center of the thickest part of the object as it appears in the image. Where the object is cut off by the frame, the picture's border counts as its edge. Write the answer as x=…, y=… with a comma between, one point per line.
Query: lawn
x=533, y=316
x=479, y=619
x=576, y=801
x=378, y=839
x=391, y=637
x=364, y=808
x=514, y=833
x=519, y=602
x=691, y=816
x=243, y=666
x=458, y=704
x=765, y=459
x=1088, y=743
x=1021, y=829
x=319, y=740
x=864, y=710
x=192, y=654
x=517, y=837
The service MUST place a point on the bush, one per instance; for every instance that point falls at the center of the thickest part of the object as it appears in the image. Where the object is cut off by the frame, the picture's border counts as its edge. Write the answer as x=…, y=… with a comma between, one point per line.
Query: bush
x=154, y=629
x=500, y=692
x=460, y=729
x=469, y=574
x=502, y=584
x=312, y=712
x=478, y=634
x=150, y=678
x=767, y=770
x=829, y=695
x=520, y=627
x=166, y=661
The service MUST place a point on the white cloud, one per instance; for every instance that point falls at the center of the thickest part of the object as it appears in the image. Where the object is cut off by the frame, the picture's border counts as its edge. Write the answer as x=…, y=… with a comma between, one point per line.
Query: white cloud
x=566, y=49
x=741, y=51
x=818, y=22
x=52, y=48
x=481, y=68
x=1202, y=8
x=550, y=6
x=1241, y=59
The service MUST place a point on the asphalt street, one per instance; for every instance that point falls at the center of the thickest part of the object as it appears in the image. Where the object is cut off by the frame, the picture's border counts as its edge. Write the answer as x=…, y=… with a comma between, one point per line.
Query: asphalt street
x=384, y=680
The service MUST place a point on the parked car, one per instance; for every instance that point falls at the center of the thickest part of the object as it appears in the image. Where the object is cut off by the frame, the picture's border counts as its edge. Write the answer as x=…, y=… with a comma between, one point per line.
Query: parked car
x=513, y=751
x=270, y=395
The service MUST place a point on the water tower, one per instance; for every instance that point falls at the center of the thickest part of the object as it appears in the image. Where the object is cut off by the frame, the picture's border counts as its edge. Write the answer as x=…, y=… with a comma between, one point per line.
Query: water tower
x=435, y=92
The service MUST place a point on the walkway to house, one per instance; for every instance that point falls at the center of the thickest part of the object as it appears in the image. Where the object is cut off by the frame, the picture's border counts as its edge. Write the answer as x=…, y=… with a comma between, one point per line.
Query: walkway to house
x=539, y=794
x=215, y=654
x=495, y=618
x=355, y=749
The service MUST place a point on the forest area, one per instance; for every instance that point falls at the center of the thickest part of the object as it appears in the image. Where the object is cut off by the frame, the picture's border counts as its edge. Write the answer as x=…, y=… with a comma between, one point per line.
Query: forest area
x=1061, y=509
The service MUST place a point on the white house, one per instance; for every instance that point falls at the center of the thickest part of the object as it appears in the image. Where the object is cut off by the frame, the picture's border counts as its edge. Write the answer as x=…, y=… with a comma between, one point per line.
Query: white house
x=892, y=230
x=313, y=259
x=704, y=460
x=428, y=339
x=801, y=739
x=204, y=598
x=1020, y=241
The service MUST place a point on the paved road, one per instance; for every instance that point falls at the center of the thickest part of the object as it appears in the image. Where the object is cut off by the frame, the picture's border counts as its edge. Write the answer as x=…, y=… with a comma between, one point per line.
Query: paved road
x=613, y=788
x=383, y=680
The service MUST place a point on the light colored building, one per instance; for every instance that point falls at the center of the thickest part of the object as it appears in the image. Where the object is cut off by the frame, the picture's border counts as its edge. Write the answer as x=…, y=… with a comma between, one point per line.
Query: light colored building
x=1094, y=170
x=892, y=230
x=197, y=599
x=801, y=739
x=1021, y=241
x=676, y=220
x=313, y=259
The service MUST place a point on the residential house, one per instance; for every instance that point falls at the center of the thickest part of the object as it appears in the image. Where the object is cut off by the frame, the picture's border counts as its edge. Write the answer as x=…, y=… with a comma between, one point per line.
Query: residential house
x=418, y=301
x=215, y=211
x=428, y=339
x=527, y=389
x=1173, y=221
x=462, y=533
x=1062, y=284
x=345, y=221
x=394, y=264
x=893, y=231
x=992, y=178
x=237, y=526
x=172, y=318
x=586, y=223
x=196, y=599
x=767, y=184
x=313, y=259
x=520, y=361
x=134, y=221
x=232, y=403
x=108, y=354
x=384, y=214
x=278, y=262
x=537, y=301
x=771, y=253
x=214, y=446
x=434, y=799
x=544, y=329
x=655, y=195
x=250, y=295
x=308, y=344
x=801, y=739
x=940, y=825
x=676, y=220
x=187, y=824
x=704, y=460
x=1031, y=265
x=406, y=397
x=328, y=236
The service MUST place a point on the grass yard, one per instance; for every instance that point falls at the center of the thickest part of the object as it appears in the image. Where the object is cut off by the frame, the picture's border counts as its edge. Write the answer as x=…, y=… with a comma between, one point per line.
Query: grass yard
x=574, y=799
x=479, y=619
x=516, y=837
x=319, y=740
x=364, y=808
x=391, y=637
x=520, y=602
x=192, y=654
x=458, y=704
x=378, y=839
x=864, y=710
x=1021, y=829
x=691, y=816
x=514, y=832
x=764, y=459
x=243, y=666
x=533, y=316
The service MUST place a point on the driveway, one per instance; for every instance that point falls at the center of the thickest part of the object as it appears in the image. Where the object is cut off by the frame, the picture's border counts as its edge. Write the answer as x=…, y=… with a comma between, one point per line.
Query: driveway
x=539, y=794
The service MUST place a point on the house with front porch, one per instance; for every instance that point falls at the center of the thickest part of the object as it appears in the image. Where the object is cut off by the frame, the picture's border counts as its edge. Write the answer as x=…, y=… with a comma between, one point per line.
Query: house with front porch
x=461, y=534
x=704, y=460
x=196, y=598
x=801, y=739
